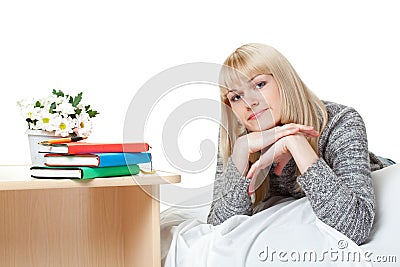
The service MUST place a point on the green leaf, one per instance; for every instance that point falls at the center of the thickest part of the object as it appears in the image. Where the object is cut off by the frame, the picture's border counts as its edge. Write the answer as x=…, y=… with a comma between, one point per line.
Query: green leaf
x=78, y=111
x=77, y=100
x=52, y=107
x=31, y=121
x=92, y=113
x=37, y=104
x=58, y=93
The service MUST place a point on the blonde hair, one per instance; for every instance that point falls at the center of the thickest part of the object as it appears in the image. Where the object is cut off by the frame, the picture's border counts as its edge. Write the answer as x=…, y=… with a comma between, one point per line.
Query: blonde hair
x=298, y=103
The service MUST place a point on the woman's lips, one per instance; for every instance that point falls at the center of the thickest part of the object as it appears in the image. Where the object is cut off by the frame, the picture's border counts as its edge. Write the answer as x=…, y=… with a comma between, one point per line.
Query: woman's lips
x=256, y=115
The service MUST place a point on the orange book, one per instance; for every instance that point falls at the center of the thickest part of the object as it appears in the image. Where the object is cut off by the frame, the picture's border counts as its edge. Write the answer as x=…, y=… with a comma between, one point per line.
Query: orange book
x=85, y=148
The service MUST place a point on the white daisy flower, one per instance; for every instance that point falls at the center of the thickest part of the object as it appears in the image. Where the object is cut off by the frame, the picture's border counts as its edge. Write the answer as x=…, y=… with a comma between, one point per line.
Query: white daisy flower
x=83, y=124
x=63, y=126
x=46, y=121
x=25, y=102
x=65, y=108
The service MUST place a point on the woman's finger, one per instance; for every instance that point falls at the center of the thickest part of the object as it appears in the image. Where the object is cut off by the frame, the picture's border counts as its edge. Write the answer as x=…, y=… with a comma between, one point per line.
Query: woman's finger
x=270, y=136
x=308, y=130
x=252, y=171
x=257, y=141
x=265, y=160
x=295, y=125
x=281, y=164
x=312, y=133
x=285, y=132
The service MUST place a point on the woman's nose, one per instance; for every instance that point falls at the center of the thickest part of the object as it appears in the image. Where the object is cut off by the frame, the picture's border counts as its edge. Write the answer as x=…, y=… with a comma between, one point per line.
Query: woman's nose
x=251, y=99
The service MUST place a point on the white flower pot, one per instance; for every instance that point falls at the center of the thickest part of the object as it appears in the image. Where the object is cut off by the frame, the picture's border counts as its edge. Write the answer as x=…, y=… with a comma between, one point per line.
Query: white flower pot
x=34, y=137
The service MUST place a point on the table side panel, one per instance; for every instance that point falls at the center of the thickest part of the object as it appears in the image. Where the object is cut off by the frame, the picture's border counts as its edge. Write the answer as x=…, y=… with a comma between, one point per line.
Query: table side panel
x=141, y=226
x=61, y=227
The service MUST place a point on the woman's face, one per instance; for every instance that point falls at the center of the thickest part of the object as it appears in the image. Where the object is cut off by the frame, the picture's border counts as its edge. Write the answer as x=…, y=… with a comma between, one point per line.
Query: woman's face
x=256, y=102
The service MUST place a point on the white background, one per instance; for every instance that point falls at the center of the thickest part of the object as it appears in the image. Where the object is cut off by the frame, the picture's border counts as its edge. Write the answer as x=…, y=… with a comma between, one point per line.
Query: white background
x=345, y=51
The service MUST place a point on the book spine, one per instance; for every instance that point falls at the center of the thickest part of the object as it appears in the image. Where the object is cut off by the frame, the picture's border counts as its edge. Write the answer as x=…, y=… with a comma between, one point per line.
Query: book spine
x=118, y=159
x=107, y=148
x=114, y=171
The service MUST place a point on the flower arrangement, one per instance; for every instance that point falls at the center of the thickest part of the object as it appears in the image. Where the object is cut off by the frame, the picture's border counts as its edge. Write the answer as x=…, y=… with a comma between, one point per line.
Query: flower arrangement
x=59, y=113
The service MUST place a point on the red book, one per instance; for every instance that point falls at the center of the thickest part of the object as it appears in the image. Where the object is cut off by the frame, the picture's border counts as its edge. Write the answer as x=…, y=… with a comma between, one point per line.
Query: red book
x=85, y=148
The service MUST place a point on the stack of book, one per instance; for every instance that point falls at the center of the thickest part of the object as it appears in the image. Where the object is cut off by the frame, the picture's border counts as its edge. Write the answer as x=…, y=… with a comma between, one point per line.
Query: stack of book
x=82, y=160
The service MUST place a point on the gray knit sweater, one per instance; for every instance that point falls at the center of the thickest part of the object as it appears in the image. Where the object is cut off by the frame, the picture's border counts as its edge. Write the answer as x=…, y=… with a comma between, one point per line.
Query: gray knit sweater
x=338, y=185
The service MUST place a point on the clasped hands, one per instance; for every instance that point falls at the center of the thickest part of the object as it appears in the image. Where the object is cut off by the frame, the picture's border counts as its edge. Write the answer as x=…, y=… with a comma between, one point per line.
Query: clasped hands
x=279, y=143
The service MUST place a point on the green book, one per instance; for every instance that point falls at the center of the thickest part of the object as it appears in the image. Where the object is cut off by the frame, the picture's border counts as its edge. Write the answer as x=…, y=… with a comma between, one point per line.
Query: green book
x=50, y=172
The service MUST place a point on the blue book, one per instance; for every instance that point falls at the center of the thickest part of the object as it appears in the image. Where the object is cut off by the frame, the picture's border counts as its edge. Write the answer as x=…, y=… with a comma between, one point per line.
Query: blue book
x=97, y=160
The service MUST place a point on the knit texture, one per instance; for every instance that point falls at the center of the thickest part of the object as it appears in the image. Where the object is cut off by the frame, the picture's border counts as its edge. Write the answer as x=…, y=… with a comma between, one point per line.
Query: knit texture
x=338, y=185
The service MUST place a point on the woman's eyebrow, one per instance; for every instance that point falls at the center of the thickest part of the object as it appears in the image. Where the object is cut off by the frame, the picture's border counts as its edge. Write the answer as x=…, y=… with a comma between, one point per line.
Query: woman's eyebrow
x=251, y=80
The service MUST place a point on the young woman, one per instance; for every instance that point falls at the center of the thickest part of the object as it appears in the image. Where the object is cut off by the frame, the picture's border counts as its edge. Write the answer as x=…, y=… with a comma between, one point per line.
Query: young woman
x=275, y=130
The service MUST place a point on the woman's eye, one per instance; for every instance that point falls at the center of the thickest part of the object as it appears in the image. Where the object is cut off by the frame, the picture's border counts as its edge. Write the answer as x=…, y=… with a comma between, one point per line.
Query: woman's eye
x=235, y=98
x=260, y=85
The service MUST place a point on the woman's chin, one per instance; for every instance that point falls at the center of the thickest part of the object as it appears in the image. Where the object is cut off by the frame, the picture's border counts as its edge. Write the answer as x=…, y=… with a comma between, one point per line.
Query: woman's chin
x=259, y=125
x=259, y=129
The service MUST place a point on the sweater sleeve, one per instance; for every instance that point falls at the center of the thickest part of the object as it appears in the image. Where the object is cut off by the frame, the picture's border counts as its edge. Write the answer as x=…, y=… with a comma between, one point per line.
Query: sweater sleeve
x=339, y=185
x=230, y=195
